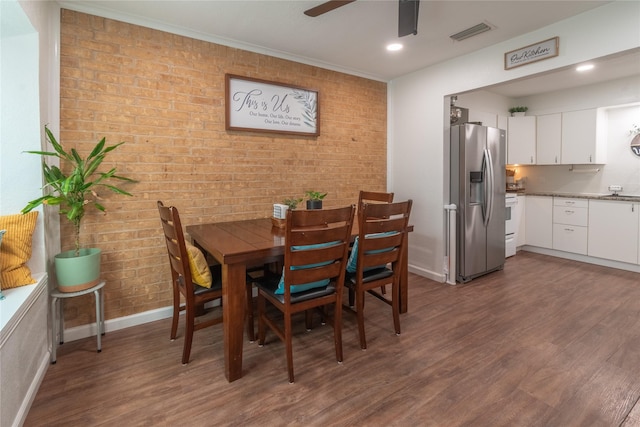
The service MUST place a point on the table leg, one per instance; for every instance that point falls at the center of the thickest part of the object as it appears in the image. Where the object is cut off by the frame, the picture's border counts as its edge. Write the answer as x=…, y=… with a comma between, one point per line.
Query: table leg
x=98, y=317
x=404, y=276
x=54, y=323
x=102, y=311
x=233, y=311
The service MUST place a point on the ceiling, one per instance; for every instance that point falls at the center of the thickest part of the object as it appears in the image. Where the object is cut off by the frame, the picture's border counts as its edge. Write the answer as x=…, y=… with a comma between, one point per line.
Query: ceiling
x=352, y=38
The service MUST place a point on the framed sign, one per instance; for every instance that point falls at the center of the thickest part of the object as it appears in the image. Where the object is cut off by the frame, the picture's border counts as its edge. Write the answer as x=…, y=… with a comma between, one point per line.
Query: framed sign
x=532, y=53
x=260, y=105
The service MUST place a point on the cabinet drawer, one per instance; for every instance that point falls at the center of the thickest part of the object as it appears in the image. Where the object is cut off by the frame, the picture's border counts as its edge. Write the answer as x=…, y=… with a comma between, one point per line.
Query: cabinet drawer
x=575, y=203
x=570, y=215
x=570, y=238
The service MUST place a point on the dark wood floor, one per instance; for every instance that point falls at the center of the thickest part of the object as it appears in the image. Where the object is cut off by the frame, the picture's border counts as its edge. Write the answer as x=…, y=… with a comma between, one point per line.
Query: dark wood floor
x=546, y=342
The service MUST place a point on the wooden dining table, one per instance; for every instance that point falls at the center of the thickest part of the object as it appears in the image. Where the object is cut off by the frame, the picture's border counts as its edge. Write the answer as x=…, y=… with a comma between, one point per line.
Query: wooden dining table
x=237, y=245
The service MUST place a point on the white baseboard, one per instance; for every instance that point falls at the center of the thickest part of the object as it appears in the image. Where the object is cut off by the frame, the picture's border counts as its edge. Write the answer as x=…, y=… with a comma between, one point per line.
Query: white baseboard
x=583, y=258
x=111, y=325
x=420, y=271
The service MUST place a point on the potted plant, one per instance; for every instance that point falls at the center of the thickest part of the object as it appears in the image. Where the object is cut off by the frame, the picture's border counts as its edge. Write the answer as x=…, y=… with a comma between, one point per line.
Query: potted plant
x=74, y=190
x=314, y=199
x=291, y=203
x=518, y=111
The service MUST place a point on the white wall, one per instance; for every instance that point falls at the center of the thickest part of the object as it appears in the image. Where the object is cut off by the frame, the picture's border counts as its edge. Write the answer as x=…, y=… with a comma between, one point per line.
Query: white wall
x=20, y=176
x=418, y=138
x=29, y=79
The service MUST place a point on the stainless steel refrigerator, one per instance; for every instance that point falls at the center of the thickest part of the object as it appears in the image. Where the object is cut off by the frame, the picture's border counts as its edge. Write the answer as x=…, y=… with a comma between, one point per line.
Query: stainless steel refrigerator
x=477, y=188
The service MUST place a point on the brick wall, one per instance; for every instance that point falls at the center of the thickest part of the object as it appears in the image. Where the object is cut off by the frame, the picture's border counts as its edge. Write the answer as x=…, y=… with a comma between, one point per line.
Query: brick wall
x=164, y=95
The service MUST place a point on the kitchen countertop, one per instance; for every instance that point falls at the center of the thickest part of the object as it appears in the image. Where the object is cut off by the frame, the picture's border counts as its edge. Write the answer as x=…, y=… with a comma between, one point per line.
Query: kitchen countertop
x=619, y=197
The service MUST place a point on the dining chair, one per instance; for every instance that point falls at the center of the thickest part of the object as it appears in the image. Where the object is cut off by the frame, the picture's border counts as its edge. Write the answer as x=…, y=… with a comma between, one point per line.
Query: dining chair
x=378, y=197
x=376, y=256
x=372, y=196
x=194, y=279
x=316, y=251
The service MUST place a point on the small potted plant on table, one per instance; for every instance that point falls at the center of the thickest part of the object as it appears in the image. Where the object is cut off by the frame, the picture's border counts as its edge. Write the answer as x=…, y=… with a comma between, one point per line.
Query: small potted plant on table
x=280, y=211
x=314, y=199
x=74, y=190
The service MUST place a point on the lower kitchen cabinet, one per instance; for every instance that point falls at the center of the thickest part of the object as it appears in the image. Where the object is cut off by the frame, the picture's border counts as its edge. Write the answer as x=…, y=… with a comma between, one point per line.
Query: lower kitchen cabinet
x=613, y=230
x=570, y=238
x=521, y=230
x=539, y=221
x=570, y=225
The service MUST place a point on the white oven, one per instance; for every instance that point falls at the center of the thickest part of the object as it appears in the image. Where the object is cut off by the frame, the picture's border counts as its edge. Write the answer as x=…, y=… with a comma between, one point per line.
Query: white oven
x=511, y=200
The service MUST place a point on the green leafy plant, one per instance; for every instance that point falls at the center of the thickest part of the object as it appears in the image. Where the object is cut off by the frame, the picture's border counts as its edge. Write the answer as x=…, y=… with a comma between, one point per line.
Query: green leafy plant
x=292, y=203
x=635, y=130
x=519, y=109
x=74, y=191
x=315, y=195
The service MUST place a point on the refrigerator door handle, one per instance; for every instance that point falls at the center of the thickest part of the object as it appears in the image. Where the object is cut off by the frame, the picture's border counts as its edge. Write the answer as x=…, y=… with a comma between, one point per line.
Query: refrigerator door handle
x=488, y=161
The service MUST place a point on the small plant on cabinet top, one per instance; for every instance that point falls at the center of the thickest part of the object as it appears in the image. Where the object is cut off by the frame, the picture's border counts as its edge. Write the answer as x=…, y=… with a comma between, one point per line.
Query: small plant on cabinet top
x=519, y=109
x=635, y=130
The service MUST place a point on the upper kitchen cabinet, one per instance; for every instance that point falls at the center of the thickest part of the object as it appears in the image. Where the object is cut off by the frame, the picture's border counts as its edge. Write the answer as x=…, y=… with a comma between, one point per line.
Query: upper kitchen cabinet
x=521, y=140
x=549, y=139
x=583, y=140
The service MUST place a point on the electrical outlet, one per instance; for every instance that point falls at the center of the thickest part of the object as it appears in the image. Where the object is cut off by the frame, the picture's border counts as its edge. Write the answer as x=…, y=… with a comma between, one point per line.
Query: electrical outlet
x=615, y=188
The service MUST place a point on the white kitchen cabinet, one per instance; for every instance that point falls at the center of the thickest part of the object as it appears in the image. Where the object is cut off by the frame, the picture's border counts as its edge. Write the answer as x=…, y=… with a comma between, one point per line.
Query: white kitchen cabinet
x=548, y=139
x=521, y=233
x=539, y=221
x=521, y=137
x=613, y=230
x=570, y=221
x=583, y=137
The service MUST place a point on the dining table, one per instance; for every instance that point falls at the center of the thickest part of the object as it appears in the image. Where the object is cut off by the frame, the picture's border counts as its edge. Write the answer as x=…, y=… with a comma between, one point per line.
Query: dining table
x=237, y=246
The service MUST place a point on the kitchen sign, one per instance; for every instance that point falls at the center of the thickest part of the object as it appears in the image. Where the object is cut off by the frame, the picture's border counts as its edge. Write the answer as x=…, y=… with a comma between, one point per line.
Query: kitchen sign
x=532, y=53
x=263, y=106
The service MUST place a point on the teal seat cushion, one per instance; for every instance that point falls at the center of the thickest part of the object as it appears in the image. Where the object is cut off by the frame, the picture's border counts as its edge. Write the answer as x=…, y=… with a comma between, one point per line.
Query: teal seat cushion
x=311, y=285
x=352, y=263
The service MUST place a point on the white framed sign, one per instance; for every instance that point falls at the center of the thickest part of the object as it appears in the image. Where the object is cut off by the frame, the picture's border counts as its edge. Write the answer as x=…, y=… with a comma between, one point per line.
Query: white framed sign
x=264, y=106
x=532, y=53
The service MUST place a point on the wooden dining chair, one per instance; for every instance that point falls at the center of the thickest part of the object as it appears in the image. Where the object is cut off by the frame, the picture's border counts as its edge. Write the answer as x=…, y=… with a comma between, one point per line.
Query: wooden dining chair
x=376, y=256
x=316, y=251
x=376, y=197
x=193, y=278
x=372, y=196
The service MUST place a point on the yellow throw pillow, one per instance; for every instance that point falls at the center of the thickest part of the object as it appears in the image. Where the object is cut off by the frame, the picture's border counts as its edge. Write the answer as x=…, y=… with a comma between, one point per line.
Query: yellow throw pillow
x=16, y=249
x=200, y=272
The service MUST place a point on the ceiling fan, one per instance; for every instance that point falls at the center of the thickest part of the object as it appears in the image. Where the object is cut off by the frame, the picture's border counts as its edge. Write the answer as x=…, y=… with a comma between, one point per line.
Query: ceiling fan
x=407, y=13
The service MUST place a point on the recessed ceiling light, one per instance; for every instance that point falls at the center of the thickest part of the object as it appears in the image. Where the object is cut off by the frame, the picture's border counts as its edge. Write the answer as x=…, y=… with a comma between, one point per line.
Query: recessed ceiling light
x=394, y=47
x=585, y=67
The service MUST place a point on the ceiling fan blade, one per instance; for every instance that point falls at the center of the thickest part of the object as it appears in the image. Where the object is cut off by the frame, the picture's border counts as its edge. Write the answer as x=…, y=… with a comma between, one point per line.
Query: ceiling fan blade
x=408, y=17
x=326, y=7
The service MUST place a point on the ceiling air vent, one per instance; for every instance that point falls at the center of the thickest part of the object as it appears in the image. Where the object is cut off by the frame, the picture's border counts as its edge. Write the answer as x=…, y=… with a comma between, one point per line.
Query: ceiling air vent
x=470, y=32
